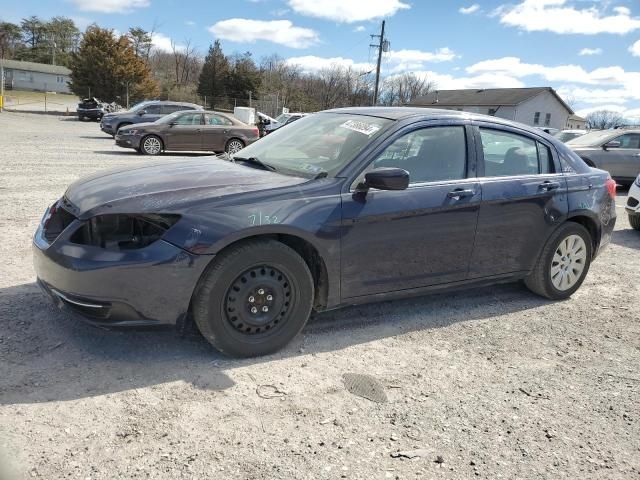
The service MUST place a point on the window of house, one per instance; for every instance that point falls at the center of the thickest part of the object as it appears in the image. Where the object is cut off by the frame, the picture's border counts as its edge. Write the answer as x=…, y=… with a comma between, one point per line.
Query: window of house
x=510, y=154
x=429, y=154
x=536, y=118
x=547, y=119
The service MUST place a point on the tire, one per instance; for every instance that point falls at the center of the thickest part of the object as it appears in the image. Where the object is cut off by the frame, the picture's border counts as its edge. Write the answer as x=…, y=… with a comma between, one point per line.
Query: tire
x=151, y=145
x=255, y=274
x=234, y=145
x=634, y=220
x=540, y=280
x=81, y=118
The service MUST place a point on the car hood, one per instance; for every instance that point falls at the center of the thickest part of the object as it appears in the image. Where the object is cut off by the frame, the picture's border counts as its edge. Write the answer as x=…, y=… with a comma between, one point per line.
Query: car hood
x=167, y=187
x=138, y=126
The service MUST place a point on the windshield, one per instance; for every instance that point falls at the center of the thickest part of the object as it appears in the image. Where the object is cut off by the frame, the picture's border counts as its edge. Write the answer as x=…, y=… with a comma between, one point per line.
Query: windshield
x=282, y=118
x=317, y=144
x=592, y=139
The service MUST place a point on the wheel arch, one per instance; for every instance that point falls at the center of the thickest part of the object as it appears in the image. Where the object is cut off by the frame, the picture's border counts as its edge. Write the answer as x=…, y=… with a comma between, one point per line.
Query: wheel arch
x=592, y=227
x=303, y=247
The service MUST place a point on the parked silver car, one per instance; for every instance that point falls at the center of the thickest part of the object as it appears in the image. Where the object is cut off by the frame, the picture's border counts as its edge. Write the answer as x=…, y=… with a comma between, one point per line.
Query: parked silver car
x=616, y=151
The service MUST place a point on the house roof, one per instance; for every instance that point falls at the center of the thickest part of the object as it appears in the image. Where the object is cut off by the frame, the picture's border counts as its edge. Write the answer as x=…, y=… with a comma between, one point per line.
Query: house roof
x=36, y=67
x=484, y=97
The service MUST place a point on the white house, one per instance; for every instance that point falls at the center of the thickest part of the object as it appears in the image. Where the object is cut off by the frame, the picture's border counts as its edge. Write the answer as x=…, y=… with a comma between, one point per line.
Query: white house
x=38, y=77
x=538, y=107
x=575, y=122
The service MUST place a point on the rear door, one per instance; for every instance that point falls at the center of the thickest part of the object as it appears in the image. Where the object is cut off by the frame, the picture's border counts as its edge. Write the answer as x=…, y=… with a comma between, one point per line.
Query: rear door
x=421, y=236
x=524, y=198
x=215, y=132
x=185, y=132
x=625, y=161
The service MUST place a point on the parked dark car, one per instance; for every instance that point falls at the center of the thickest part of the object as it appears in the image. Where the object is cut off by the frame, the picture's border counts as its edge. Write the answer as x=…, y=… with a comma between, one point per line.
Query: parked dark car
x=188, y=131
x=343, y=207
x=616, y=151
x=142, y=113
x=90, y=108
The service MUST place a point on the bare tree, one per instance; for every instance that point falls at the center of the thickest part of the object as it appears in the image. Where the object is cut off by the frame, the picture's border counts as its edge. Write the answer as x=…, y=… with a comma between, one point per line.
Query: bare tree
x=603, y=119
x=401, y=89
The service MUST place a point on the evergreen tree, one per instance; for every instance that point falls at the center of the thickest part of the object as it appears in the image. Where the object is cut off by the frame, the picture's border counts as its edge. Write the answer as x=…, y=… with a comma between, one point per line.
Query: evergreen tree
x=213, y=78
x=243, y=76
x=108, y=67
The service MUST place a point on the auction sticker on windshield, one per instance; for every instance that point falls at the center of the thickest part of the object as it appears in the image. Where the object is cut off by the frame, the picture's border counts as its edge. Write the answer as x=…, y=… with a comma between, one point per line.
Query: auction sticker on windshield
x=361, y=127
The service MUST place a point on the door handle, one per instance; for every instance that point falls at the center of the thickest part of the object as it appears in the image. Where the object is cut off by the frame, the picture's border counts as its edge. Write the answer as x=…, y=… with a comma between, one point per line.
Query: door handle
x=459, y=193
x=549, y=186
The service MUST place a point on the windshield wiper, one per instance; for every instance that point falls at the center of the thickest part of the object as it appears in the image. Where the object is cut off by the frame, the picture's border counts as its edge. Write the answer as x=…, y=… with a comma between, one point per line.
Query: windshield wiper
x=254, y=161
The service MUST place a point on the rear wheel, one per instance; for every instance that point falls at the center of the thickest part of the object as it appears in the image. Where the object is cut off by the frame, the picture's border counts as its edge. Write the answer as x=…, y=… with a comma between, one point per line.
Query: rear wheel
x=151, y=145
x=254, y=299
x=563, y=264
x=234, y=145
x=634, y=220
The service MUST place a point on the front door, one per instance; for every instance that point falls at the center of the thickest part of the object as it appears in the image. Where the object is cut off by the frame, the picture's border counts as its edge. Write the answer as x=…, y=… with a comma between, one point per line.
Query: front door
x=421, y=236
x=524, y=197
x=624, y=162
x=184, y=132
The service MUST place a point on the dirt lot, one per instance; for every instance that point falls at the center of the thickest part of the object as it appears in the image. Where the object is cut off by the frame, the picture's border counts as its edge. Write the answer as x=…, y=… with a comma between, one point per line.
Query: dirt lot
x=490, y=383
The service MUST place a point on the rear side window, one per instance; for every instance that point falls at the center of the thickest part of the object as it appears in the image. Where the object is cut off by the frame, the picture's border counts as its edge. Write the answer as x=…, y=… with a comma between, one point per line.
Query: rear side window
x=152, y=109
x=211, y=119
x=509, y=154
x=429, y=154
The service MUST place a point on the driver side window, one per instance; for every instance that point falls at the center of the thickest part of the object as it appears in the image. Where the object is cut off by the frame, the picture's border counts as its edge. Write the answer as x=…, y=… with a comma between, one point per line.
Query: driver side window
x=431, y=154
x=188, y=119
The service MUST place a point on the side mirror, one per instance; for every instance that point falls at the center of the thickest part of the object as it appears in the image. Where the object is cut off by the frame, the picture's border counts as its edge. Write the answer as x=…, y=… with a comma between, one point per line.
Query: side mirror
x=142, y=112
x=387, y=179
x=611, y=144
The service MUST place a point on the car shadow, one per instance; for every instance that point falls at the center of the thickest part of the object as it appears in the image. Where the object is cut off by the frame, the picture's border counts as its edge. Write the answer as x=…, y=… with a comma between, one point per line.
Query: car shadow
x=97, y=137
x=49, y=355
x=629, y=238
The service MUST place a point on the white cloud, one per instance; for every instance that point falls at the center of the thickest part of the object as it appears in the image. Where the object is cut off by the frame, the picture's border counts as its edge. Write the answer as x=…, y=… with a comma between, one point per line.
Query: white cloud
x=470, y=9
x=485, y=80
x=312, y=63
x=590, y=51
x=359, y=28
x=556, y=16
x=190, y=23
x=635, y=49
x=163, y=43
x=283, y=32
x=347, y=11
x=110, y=6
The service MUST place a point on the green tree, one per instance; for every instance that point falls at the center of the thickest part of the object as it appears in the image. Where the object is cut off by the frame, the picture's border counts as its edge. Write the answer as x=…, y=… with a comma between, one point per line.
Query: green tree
x=213, y=78
x=108, y=67
x=141, y=42
x=243, y=76
x=62, y=39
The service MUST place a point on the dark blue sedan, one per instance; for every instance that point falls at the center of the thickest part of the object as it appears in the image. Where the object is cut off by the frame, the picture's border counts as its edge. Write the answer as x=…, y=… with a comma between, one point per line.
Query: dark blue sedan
x=342, y=207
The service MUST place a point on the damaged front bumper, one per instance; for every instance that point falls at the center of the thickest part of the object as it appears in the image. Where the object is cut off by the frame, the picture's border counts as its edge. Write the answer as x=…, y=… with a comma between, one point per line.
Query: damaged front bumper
x=145, y=286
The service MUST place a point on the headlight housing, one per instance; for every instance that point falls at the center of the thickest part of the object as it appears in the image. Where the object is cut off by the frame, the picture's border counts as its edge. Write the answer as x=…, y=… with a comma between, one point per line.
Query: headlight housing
x=118, y=232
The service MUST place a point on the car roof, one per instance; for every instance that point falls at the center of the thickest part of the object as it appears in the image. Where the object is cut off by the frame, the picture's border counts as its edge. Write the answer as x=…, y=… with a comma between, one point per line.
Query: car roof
x=169, y=102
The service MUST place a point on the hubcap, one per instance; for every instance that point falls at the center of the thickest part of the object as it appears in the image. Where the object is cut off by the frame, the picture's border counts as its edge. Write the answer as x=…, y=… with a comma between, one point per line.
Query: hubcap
x=234, y=146
x=152, y=145
x=258, y=300
x=568, y=262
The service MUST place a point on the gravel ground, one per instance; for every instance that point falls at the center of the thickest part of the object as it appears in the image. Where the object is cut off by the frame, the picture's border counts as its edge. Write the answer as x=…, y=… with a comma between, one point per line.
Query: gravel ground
x=489, y=383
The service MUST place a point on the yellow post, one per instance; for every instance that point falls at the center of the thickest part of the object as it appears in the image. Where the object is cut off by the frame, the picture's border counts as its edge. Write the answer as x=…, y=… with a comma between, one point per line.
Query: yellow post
x=1, y=102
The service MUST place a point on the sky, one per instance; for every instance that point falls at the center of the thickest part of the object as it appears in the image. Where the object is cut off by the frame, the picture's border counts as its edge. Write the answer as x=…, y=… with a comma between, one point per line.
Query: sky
x=589, y=51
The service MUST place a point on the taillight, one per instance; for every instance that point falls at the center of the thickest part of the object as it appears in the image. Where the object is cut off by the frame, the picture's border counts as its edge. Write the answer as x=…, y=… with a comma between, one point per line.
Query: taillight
x=49, y=214
x=611, y=187
x=256, y=132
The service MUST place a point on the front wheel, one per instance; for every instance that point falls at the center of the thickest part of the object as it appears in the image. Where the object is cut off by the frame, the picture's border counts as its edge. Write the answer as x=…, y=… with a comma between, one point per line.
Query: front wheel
x=563, y=264
x=254, y=299
x=151, y=145
x=634, y=220
x=234, y=146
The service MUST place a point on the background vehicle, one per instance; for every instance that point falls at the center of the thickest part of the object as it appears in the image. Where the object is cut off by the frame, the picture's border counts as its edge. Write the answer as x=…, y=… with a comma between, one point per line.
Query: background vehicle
x=343, y=207
x=633, y=204
x=91, y=108
x=190, y=131
x=566, y=135
x=141, y=113
x=616, y=151
x=282, y=120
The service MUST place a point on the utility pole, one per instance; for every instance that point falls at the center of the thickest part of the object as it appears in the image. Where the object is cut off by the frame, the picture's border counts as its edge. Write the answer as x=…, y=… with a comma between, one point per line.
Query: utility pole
x=1, y=84
x=382, y=46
